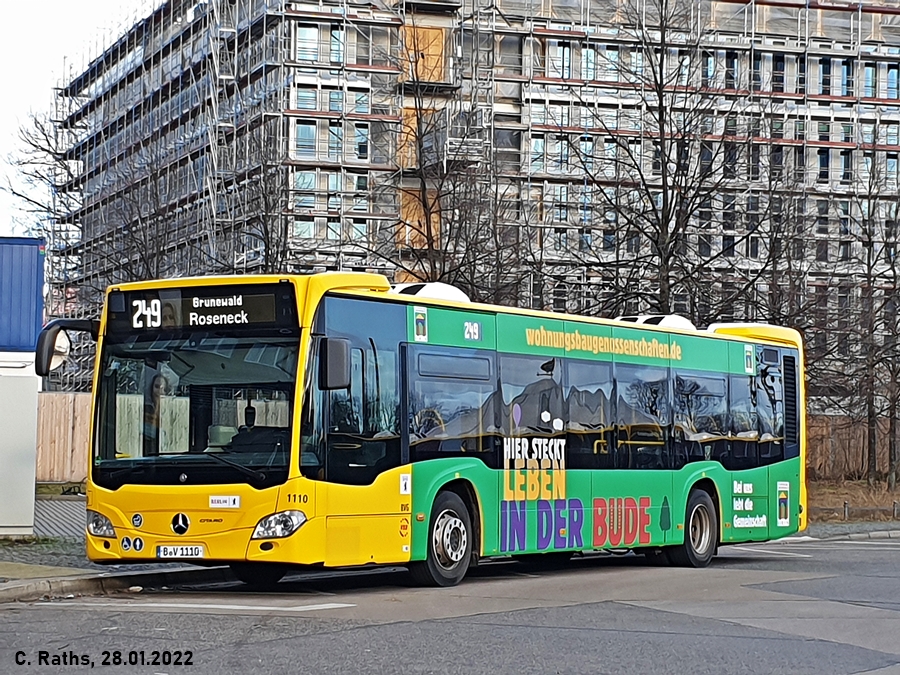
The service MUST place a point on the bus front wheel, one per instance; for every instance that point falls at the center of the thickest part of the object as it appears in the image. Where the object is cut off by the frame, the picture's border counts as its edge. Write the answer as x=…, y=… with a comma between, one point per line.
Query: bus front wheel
x=449, y=543
x=701, y=532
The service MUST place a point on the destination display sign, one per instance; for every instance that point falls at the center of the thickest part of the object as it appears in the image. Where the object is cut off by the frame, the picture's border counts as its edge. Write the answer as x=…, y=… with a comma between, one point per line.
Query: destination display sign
x=202, y=308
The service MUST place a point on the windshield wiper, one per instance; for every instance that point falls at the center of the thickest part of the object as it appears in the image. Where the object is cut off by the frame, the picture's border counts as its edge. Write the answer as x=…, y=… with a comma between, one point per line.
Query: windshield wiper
x=258, y=475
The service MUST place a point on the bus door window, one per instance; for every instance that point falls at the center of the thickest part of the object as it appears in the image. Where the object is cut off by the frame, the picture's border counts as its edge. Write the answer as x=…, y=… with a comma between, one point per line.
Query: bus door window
x=701, y=412
x=363, y=423
x=451, y=403
x=590, y=440
x=643, y=412
x=312, y=422
x=743, y=423
x=770, y=405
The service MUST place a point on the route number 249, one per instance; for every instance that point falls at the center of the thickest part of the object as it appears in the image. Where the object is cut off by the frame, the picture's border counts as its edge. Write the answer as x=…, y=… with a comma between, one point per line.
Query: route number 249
x=146, y=314
x=472, y=330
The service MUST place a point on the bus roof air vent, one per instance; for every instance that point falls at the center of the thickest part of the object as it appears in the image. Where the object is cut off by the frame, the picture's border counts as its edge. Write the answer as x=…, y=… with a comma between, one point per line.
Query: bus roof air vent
x=666, y=320
x=431, y=289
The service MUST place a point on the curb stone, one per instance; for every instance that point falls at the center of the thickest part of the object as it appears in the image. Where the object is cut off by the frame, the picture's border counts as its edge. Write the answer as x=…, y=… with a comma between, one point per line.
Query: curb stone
x=97, y=584
x=858, y=536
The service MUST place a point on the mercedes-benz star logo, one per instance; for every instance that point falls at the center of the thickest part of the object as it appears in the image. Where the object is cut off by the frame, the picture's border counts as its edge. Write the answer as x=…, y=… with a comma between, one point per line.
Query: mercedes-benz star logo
x=180, y=523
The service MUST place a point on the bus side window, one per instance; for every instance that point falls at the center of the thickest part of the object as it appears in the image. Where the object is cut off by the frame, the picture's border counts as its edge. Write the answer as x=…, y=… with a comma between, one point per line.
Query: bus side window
x=770, y=409
x=743, y=424
x=701, y=411
x=451, y=403
x=643, y=414
x=590, y=440
x=532, y=398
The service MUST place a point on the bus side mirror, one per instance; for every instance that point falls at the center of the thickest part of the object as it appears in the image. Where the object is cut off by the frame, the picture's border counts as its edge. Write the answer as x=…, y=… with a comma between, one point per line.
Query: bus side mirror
x=53, y=347
x=334, y=360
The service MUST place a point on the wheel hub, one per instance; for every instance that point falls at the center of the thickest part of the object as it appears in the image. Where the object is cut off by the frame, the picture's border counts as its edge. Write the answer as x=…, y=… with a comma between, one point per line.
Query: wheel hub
x=450, y=539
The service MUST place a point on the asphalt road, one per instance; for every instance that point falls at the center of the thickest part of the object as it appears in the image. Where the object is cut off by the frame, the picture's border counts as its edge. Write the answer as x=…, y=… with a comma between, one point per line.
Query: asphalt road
x=792, y=607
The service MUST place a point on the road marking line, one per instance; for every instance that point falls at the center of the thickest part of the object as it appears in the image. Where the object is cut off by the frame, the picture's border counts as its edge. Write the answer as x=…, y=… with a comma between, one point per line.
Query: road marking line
x=186, y=605
x=765, y=550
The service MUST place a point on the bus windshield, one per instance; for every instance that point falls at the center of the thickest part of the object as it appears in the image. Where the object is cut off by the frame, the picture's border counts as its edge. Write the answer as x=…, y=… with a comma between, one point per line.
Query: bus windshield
x=198, y=408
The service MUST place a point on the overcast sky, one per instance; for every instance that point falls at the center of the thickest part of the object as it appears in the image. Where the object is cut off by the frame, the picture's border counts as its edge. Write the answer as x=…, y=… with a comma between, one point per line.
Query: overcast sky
x=39, y=42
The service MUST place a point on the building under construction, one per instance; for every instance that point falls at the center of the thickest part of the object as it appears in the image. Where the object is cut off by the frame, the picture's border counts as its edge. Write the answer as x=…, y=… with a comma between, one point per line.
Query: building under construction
x=546, y=135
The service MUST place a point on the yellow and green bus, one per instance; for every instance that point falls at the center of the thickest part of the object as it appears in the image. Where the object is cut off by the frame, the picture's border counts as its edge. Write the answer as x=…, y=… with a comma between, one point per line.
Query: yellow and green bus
x=267, y=422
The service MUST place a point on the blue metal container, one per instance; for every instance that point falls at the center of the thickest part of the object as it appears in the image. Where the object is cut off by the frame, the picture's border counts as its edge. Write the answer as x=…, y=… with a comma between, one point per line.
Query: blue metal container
x=21, y=293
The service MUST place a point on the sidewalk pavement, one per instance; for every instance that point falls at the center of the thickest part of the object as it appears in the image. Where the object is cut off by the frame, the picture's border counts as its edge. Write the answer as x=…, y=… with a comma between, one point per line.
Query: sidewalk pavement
x=54, y=564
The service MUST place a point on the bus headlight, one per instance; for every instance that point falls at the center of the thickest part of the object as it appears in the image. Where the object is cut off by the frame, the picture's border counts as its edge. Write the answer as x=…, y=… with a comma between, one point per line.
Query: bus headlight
x=99, y=525
x=279, y=525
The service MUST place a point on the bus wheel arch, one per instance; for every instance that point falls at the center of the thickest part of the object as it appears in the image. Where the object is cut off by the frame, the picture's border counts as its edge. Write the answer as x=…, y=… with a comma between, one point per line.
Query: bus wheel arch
x=466, y=492
x=451, y=537
x=701, y=527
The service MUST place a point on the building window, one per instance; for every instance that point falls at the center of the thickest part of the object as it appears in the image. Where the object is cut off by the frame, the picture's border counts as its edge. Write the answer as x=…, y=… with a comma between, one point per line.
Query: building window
x=359, y=229
x=800, y=130
x=708, y=69
x=729, y=215
x=307, y=43
x=560, y=239
x=800, y=164
x=337, y=44
x=822, y=251
x=361, y=104
x=609, y=240
x=633, y=242
x=754, y=162
x=847, y=78
x=306, y=99
x=585, y=240
x=778, y=72
x=893, y=81
x=306, y=139
x=589, y=63
x=362, y=141
x=825, y=131
x=729, y=166
x=732, y=74
x=825, y=77
x=844, y=251
x=537, y=154
x=753, y=247
x=333, y=229
x=305, y=187
x=824, y=168
x=704, y=249
x=822, y=216
x=336, y=101
x=728, y=246
x=756, y=72
x=560, y=195
x=335, y=140
x=801, y=74
x=870, y=80
x=846, y=166
x=304, y=228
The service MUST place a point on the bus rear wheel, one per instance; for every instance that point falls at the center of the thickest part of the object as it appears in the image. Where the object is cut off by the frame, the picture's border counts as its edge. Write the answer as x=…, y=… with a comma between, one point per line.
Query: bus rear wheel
x=449, y=543
x=700, y=534
x=258, y=575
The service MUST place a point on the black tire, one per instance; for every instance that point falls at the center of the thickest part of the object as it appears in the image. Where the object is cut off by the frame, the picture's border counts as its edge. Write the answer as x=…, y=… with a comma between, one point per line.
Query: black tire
x=701, y=533
x=449, y=543
x=258, y=575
